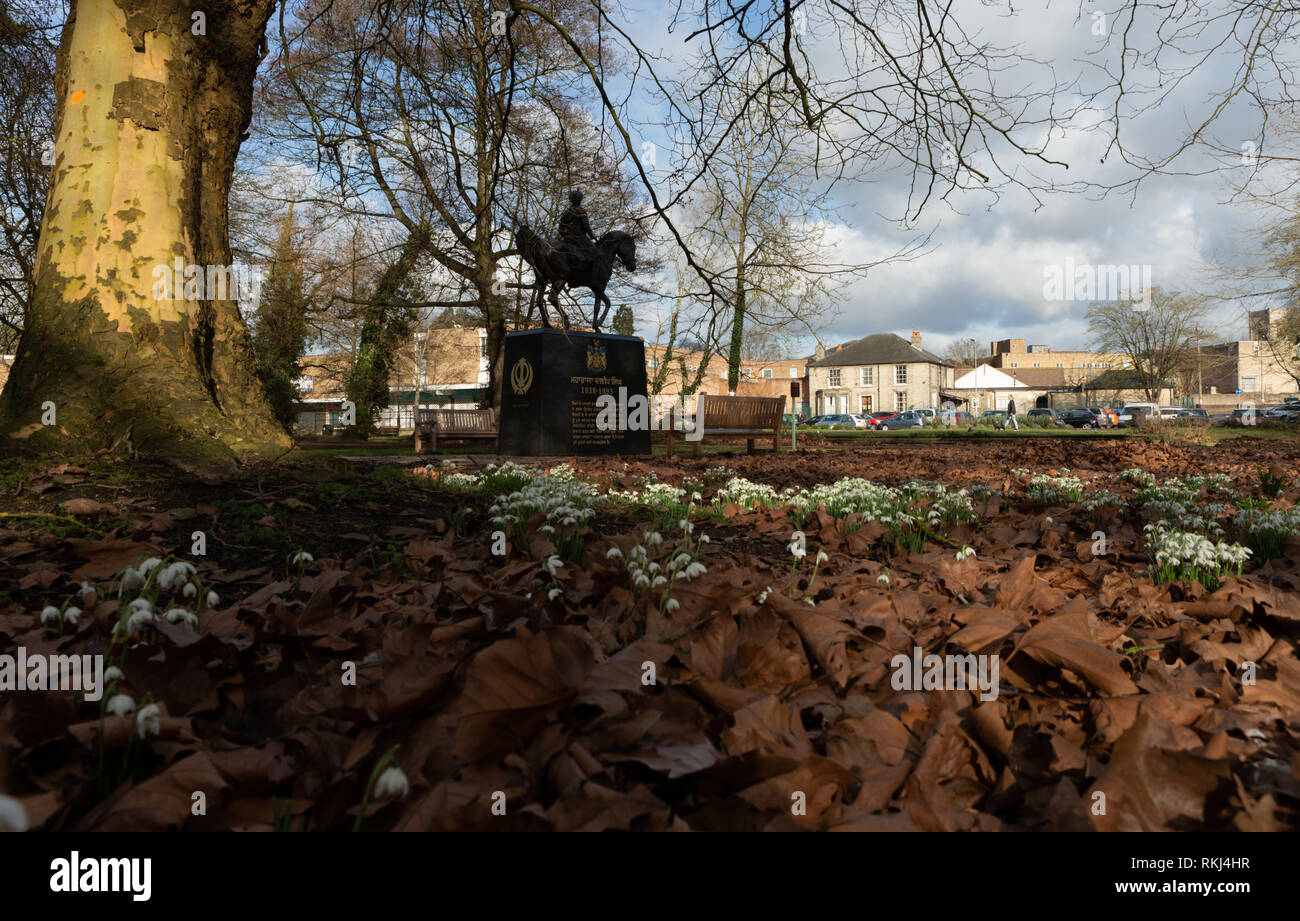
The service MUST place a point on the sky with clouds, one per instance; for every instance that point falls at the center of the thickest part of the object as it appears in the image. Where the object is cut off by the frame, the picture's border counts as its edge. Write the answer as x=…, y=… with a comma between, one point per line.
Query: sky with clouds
x=983, y=275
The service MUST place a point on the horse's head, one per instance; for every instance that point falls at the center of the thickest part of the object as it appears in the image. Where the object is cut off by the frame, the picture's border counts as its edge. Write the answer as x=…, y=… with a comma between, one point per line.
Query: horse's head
x=621, y=244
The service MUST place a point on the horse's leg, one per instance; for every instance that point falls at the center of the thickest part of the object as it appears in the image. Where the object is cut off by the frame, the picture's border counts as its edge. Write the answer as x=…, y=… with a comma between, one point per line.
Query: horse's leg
x=541, y=303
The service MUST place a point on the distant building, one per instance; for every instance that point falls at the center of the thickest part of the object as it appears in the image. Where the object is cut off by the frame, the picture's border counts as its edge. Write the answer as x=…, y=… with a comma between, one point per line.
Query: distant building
x=779, y=377
x=1077, y=364
x=442, y=368
x=879, y=372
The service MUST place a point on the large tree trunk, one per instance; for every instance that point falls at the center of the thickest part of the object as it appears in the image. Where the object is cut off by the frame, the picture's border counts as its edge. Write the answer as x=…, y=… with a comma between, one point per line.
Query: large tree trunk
x=150, y=119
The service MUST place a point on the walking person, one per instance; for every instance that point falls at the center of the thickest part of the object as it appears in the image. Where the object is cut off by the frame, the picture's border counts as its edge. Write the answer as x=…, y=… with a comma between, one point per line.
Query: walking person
x=1011, y=413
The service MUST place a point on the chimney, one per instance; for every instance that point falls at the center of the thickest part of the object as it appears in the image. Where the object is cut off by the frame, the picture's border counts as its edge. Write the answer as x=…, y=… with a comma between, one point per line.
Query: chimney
x=916, y=340
x=821, y=352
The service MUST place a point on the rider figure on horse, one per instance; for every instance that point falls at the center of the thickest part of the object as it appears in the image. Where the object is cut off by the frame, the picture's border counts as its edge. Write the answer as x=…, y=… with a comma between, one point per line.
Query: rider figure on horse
x=575, y=230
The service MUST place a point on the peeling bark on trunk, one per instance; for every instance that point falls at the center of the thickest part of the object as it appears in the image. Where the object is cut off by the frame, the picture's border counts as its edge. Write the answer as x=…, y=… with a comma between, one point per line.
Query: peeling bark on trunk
x=150, y=120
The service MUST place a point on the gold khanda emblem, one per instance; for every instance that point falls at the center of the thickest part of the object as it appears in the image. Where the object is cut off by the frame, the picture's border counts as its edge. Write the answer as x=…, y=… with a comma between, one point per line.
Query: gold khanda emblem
x=521, y=376
x=596, y=357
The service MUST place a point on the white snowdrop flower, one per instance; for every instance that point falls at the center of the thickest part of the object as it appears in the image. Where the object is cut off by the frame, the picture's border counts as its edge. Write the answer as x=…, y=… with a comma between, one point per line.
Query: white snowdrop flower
x=190, y=591
x=302, y=556
x=614, y=554
x=658, y=581
x=50, y=615
x=131, y=579
x=112, y=673
x=213, y=599
x=137, y=620
x=176, y=574
x=552, y=564
x=681, y=560
x=180, y=615
x=821, y=556
x=85, y=589
x=654, y=539
x=120, y=704
x=883, y=578
x=392, y=784
x=140, y=605
x=148, y=565
x=762, y=596
x=148, y=722
x=673, y=605
x=641, y=581
x=695, y=570
x=704, y=538
x=554, y=593
x=13, y=817
x=71, y=615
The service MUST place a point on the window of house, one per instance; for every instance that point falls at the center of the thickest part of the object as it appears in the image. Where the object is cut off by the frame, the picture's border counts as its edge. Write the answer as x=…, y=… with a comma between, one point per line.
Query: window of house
x=482, y=347
x=767, y=374
x=1248, y=384
x=900, y=401
x=654, y=363
x=1060, y=364
x=794, y=372
x=865, y=404
x=833, y=377
x=1035, y=364
x=900, y=374
x=866, y=376
x=1015, y=364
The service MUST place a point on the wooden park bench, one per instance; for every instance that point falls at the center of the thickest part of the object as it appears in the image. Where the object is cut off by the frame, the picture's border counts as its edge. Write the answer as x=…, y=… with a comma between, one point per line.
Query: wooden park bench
x=732, y=417
x=469, y=424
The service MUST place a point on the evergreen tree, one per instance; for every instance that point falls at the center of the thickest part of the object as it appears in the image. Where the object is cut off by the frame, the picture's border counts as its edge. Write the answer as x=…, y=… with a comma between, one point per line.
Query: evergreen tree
x=624, y=325
x=385, y=327
x=280, y=327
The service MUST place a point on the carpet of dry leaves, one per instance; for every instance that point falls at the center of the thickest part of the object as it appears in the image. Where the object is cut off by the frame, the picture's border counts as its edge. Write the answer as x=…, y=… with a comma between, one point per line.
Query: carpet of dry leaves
x=494, y=692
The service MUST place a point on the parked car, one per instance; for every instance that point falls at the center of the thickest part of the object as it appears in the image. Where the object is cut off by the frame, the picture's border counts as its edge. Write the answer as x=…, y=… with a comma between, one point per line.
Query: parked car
x=1041, y=416
x=1245, y=416
x=956, y=417
x=835, y=420
x=1082, y=418
x=904, y=420
x=878, y=417
x=1194, y=414
x=927, y=414
x=863, y=421
x=1131, y=413
x=1281, y=411
x=1108, y=416
x=997, y=416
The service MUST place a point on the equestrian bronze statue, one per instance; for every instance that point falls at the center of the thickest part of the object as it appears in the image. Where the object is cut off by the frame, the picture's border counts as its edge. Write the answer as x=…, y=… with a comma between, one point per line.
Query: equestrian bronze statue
x=575, y=259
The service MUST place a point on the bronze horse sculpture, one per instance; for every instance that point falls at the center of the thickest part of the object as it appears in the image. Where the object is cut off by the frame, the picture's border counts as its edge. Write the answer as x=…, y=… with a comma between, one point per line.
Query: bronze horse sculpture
x=557, y=268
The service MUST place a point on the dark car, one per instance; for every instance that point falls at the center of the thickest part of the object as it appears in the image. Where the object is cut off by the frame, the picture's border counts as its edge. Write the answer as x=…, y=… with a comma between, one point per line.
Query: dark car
x=997, y=416
x=1044, y=417
x=877, y=418
x=905, y=420
x=1081, y=419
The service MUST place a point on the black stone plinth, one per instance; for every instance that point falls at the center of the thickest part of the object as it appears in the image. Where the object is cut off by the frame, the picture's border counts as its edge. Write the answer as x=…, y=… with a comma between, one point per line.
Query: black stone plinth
x=551, y=381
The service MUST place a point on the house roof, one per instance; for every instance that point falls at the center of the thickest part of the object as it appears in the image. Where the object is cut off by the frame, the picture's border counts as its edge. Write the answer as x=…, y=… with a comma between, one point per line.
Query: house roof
x=1039, y=378
x=986, y=377
x=1118, y=379
x=878, y=349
